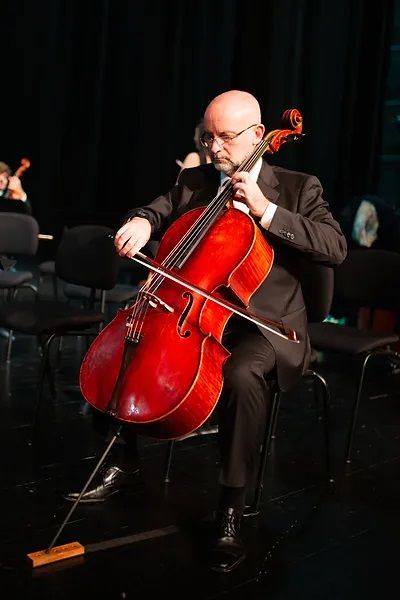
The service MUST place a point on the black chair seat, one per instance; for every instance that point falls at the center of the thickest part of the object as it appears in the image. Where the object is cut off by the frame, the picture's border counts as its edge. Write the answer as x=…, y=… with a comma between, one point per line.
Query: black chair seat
x=117, y=295
x=18, y=238
x=9, y=279
x=46, y=316
x=85, y=256
x=340, y=338
x=47, y=267
x=366, y=279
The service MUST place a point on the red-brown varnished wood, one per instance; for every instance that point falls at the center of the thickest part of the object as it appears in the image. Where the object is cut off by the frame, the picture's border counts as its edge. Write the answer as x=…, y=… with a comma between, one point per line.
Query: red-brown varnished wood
x=168, y=382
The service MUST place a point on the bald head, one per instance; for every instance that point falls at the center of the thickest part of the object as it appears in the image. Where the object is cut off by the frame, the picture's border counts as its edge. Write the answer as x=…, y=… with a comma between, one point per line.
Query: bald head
x=241, y=106
x=233, y=121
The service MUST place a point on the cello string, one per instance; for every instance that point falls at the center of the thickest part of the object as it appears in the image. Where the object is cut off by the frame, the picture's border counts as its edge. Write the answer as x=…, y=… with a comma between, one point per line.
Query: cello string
x=214, y=208
x=139, y=311
x=195, y=232
x=199, y=228
x=219, y=202
x=202, y=224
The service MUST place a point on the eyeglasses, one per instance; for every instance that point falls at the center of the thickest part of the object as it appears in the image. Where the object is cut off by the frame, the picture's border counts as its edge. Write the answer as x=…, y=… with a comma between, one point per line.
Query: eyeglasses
x=207, y=140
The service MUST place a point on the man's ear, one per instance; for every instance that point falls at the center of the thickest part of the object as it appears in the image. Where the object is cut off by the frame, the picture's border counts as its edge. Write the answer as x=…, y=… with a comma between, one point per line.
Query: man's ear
x=260, y=133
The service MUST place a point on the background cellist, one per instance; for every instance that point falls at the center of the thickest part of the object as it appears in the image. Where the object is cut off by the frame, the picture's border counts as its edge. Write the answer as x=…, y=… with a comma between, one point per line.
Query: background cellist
x=289, y=209
x=13, y=197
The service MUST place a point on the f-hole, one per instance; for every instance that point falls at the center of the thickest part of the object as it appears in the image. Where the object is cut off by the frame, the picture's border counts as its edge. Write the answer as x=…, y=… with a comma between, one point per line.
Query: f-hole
x=184, y=315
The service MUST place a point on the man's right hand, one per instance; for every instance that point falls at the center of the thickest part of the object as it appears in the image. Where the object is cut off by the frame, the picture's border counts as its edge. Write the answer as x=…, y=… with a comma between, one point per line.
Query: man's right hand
x=132, y=236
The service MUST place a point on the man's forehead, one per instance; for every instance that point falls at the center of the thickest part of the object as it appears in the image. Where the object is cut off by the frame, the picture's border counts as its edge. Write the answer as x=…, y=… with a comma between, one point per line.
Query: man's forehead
x=223, y=123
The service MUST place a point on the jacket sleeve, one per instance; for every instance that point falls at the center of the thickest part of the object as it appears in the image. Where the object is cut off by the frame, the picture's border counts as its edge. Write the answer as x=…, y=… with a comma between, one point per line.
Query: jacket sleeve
x=311, y=229
x=160, y=212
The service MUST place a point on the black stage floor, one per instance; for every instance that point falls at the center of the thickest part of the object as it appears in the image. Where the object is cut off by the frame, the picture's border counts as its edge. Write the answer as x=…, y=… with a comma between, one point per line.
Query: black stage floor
x=309, y=542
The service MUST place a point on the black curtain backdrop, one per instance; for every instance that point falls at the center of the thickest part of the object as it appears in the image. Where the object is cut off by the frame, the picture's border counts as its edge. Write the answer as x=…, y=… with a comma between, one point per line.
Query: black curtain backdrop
x=102, y=96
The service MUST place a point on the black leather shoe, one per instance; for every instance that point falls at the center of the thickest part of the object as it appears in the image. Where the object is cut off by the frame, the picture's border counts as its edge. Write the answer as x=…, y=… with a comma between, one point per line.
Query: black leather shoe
x=228, y=550
x=112, y=481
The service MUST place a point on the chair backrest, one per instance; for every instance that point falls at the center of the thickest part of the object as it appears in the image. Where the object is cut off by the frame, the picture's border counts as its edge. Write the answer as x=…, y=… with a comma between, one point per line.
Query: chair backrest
x=86, y=256
x=19, y=234
x=369, y=278
x=317, y=284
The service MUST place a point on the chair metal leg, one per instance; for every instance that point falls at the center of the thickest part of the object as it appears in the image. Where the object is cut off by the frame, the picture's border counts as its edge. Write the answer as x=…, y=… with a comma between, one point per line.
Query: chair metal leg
x=59, y=350
x=168, y=461
x=354, y=412
x=350, y=439
x=206, y=429
x=325, y=419
x=254, y=509
x=9, y=344
x=273, y=434
x=44, y=344
x=43, y=371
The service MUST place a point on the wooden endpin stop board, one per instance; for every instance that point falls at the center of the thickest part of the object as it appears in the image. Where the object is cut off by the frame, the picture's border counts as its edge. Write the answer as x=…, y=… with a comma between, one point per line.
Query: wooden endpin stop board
x=57, y=553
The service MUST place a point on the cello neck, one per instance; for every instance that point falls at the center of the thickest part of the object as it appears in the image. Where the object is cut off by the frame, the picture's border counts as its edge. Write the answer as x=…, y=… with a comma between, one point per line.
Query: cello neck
x=271, y=143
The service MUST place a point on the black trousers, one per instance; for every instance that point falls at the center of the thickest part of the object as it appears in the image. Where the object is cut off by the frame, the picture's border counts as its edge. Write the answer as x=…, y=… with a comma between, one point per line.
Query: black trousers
x=245, y=401
x=242, y=408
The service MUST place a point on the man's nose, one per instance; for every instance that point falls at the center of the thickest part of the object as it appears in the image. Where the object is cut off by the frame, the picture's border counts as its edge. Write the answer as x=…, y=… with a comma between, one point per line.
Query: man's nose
x=218, y=144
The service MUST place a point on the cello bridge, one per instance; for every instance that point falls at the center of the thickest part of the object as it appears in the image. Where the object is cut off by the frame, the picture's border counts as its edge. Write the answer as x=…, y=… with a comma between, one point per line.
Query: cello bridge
x=156, y=302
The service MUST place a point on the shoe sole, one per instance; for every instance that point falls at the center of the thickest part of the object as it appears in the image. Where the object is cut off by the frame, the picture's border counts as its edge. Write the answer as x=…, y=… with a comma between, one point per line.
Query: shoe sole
x=231, y=568
x=92, y=500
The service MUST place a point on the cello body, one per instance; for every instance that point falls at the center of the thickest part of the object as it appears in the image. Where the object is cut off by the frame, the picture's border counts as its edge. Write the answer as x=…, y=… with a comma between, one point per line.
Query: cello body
x=168, y=380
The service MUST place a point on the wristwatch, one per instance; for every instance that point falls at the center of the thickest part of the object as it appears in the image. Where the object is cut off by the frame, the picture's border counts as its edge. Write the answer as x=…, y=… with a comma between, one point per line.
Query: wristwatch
x=141, y=213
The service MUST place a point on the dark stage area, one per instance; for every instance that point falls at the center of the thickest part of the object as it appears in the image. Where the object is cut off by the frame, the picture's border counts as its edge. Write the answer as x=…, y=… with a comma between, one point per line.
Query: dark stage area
x=310, y=540
x=102, y=99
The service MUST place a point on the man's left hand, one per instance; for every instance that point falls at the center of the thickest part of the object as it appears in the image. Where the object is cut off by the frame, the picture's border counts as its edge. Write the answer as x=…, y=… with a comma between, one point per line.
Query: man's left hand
x=247, y=191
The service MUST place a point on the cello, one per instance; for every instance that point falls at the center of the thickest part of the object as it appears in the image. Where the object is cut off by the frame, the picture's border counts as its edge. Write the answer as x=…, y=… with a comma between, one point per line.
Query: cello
x=159, y=363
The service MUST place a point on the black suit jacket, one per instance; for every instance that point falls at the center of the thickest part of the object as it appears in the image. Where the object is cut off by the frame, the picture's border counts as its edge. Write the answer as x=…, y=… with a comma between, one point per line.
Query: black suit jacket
x=302, y=225
x=17, y=206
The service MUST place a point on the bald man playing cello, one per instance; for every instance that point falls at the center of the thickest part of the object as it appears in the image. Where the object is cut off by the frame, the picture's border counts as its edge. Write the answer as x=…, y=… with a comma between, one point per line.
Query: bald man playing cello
x=288, y=209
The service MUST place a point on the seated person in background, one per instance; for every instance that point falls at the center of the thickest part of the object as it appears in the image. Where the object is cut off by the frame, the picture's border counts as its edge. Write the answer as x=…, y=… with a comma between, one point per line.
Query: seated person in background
x=13, y=198
x=199, y=156
x=369, y=221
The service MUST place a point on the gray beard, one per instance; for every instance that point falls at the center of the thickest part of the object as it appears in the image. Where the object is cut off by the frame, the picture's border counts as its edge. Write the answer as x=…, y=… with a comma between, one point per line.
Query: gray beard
x=228, y=171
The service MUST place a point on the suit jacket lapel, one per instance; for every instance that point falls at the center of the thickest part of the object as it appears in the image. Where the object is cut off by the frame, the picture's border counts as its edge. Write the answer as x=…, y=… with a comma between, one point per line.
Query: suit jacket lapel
x=209, y=189
x=268, y=183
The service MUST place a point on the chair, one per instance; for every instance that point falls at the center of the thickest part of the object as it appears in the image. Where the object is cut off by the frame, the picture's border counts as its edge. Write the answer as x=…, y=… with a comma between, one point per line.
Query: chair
x=366, y=278
x=18, y=238
x=85, y=256
x=120, y=294
x=123, y=293
x=313, y=277
x=47, y=268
